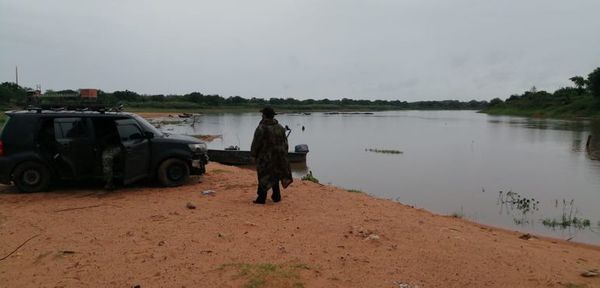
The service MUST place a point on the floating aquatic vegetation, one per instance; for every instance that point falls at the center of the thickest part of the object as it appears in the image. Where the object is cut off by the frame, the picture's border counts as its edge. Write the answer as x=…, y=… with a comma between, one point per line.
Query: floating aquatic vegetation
x=524, y=206
x=564, y=223
x=515, y=200
x=384, y=151
x=165, y=121
x=568, y=218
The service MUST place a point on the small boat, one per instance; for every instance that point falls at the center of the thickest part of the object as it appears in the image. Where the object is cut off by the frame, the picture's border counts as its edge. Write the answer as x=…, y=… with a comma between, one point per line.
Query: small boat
x=185, y=115
x=239, y=157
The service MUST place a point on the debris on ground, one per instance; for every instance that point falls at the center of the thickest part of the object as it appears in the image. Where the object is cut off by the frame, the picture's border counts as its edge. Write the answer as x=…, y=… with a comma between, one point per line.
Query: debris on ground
x=372, y=237
x=401, y=284
x=525, y=236
x=190, y=205
x=208, y=193
x=591, y=273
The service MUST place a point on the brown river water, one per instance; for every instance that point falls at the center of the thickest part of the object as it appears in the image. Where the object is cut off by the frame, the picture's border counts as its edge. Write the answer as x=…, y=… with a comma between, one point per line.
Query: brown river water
x=452, y=162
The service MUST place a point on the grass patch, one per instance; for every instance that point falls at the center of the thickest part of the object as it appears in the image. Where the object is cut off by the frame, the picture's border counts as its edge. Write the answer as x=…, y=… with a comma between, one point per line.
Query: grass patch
x=355, y=191
x=218, y=171
x=384, y=151
x=268, y=275
x=310, y=177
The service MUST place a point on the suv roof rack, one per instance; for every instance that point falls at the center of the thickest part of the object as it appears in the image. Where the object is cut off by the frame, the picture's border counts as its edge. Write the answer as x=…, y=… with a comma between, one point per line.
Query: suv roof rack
x=75, y=107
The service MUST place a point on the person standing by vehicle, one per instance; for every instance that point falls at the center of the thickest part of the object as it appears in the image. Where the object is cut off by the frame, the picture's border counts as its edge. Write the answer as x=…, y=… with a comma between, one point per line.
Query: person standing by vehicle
x=269, y=149
x=111, y=150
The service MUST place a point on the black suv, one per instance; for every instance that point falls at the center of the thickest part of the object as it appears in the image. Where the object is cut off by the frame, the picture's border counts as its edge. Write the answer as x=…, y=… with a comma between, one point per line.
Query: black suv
x=37, y=147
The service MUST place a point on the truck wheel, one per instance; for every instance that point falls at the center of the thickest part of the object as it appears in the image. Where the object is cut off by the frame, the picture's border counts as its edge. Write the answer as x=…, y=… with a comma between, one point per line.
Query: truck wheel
x=173, y=172
x=31, y=177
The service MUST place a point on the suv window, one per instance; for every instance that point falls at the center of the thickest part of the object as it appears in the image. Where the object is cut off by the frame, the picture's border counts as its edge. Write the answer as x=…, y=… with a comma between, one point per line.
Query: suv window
x=129, y=131
x=2, y=125
x=70, y=128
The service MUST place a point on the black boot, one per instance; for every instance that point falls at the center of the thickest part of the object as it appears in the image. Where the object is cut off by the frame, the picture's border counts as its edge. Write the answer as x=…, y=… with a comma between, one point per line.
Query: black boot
x=276, y=197
x=109, y=187
x=262, y=196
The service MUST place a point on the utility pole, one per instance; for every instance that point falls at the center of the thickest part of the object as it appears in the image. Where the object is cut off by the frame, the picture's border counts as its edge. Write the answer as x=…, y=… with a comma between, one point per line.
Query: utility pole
x=17, y=75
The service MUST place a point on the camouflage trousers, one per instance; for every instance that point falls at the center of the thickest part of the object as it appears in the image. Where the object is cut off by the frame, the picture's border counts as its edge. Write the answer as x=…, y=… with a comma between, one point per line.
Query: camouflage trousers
x=108, y=163
x=273, y=183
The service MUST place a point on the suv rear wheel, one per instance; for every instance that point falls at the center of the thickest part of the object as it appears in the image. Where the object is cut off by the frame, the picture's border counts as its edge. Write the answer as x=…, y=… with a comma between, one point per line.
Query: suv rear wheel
x=31, y=177
x=173, y=172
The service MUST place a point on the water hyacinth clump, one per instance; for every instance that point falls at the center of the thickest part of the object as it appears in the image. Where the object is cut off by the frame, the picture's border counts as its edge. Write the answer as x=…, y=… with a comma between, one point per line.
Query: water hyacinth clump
x=565, y=223
x=522, y=204
x=568, y=218
x=384, y=151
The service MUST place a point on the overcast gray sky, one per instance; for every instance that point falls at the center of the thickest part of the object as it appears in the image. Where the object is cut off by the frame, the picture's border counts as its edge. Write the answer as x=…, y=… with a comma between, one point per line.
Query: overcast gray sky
x=362, y=49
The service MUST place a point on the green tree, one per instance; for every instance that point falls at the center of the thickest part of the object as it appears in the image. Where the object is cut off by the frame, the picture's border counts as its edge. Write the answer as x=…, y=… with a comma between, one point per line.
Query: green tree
x=495, y=101
x=11, y=92
x=579, y=81
x=593, y=83
x=126, y=95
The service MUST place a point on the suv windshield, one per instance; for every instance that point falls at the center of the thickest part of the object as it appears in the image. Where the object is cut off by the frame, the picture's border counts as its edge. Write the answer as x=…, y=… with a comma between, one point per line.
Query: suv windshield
x=147, y=126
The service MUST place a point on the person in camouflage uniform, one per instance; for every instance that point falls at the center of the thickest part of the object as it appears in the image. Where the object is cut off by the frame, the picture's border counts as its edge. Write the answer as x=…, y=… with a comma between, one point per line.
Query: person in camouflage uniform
x=269, y=149
x=112, y=150
x=108, y=163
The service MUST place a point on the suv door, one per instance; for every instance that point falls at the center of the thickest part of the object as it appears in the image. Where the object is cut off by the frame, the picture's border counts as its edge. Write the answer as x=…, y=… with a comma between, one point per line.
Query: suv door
x=74, y=146
x=137, y=150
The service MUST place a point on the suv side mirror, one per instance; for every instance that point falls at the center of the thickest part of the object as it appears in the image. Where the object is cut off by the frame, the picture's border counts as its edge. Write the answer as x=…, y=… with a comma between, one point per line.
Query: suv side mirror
x=149, y=135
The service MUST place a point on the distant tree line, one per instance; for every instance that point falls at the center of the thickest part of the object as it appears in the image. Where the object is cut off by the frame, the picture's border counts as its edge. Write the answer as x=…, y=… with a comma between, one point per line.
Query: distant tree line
x=12, y=93
x=581, y=99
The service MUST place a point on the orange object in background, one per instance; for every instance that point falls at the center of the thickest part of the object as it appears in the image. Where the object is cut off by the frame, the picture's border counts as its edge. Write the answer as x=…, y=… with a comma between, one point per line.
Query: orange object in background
x=88, y=93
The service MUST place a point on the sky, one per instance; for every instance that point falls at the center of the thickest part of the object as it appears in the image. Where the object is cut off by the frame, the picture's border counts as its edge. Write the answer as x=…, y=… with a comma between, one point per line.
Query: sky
x=361, y=49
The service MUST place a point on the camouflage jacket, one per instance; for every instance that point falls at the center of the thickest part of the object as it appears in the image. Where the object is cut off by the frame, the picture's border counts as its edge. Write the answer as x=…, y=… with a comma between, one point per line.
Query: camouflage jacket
x=270, y=148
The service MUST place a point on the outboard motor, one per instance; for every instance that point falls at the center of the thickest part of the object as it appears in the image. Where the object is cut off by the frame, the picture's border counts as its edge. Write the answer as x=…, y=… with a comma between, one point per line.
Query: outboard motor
x=301, y=148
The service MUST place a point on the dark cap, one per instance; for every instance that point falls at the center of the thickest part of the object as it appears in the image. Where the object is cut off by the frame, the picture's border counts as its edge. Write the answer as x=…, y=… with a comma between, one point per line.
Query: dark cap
x=268, y=111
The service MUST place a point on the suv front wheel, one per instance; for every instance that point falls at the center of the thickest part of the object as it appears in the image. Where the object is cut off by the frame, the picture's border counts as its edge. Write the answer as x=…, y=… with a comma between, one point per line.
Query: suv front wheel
x=31, y=177
x=173, y=172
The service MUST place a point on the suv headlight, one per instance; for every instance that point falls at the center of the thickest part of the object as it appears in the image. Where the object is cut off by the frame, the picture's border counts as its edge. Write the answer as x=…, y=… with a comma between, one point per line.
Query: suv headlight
x=198, y=148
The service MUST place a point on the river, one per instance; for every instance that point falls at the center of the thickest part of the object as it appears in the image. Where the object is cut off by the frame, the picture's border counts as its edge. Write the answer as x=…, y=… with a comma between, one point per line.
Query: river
x=460, y=163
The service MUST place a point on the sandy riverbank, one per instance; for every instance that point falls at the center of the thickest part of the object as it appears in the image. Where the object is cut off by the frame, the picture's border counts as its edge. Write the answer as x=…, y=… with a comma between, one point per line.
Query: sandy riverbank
x=318, y=236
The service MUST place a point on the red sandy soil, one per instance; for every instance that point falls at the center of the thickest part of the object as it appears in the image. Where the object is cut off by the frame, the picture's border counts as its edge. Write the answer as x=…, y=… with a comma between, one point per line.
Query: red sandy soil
x=325, y=236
